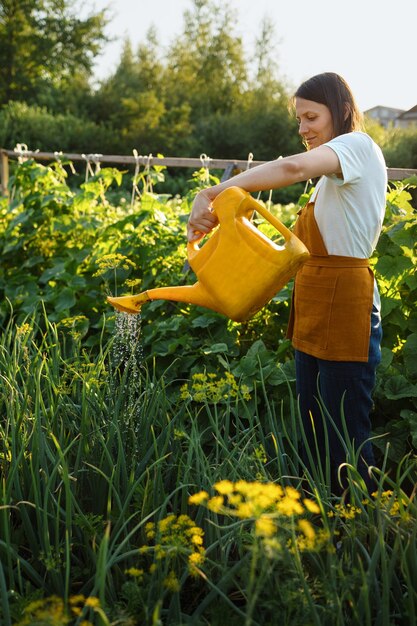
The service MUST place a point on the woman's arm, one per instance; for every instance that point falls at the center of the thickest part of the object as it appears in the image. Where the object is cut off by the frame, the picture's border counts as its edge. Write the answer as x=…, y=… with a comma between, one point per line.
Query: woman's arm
x=272, y=175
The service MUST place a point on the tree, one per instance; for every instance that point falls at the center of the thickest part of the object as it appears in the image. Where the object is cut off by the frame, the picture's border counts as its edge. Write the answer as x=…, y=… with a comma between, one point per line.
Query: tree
x=206, y=63
x=44, y=44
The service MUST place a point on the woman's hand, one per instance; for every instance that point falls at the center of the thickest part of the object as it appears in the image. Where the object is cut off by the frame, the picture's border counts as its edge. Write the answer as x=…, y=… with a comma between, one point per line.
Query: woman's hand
x=202, y=219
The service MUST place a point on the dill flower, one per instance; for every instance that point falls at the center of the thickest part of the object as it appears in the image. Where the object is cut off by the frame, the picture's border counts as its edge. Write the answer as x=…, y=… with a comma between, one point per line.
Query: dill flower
x=391, y=502
x=289, y=507
x=195, y=560
x=215, y=504
x=265, y=527
x=172, y=583
x=135, y=572
x=259, y=454
x=224, y=487
x=113, y=262
x=198, y=498
x=51, y=611
x=77, y=599
x=306, y=541
x=272, y=509
x=208, y=387
x=92, y=602
x=177, y=539
x=348, y=511
x=23, y=330
x=311, y=506
x=307, y=528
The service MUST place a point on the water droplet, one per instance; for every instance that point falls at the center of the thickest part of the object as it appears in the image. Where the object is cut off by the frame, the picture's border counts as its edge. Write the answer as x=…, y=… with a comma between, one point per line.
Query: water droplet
x=126, y=363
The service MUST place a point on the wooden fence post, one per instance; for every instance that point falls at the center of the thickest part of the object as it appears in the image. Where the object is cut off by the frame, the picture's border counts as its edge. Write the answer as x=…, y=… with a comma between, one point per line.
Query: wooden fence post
x=4, y=172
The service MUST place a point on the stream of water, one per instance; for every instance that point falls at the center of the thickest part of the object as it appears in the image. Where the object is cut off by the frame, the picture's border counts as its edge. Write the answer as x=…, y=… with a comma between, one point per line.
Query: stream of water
x=127, y=358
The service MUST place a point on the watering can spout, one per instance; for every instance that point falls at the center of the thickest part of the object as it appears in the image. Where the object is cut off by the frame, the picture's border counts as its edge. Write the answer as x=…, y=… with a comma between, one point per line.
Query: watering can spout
x=238, y=269
x=191, y=294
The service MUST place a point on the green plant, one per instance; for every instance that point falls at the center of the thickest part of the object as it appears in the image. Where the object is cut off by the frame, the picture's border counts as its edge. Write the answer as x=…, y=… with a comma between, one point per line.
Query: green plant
x=395, y=267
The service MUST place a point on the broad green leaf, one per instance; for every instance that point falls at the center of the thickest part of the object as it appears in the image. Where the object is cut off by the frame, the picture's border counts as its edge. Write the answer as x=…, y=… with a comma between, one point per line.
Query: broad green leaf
x=203, y=321
x=216, y=348
x=411, y=419
x=281, y=374
x=410, y=354
x=391, y=267
x=386, y=358
x=399, y=387
x=393, y=436
x=65, y=299
x=388, y=305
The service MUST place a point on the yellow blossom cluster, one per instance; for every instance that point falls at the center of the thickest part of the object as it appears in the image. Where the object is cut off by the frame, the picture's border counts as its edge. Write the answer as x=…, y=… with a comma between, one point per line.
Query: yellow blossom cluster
x=345, y=511
x=70, y=322
x=212, y=388
x=113, y=262
x=52, y=611
x=23, y=330
x=271, y=507
x=176, y=536
x=133, y=282
x=392, y=503
x=135, y=573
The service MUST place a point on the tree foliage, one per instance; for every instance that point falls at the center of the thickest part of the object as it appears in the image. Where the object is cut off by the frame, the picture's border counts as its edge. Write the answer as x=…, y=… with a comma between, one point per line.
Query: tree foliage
x=203, y=95
x=201, y=92
x=45, y=44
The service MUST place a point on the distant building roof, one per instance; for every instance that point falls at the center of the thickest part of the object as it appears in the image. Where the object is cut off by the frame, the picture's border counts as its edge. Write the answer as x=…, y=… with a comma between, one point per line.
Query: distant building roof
x=388, y=111
x=411, y=114
x=388, y=116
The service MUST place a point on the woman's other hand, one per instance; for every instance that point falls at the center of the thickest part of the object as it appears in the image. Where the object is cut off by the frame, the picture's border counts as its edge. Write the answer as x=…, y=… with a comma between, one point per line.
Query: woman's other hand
x=202, y=219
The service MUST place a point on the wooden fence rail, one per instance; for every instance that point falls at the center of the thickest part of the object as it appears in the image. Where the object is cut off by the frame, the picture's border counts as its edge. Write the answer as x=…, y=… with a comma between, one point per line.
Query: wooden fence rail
x=229, y=165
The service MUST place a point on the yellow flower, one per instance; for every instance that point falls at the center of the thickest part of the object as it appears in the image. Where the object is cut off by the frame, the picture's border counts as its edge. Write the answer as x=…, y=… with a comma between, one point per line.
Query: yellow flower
x=77, y=599
x=245, y=510
x=311, y=506
x=92, y=602
x=197, y=540
x=198, y=498
x=135, y=572
x=224, y=487
x=208, y=388
x=172, y=583
x=265, y=527
x=306, y=528
x=288, y=506
x=23, y=329
x=195, y=560
x=292, y=493
x=215, y=504
x=347, y=511
x=235, y=499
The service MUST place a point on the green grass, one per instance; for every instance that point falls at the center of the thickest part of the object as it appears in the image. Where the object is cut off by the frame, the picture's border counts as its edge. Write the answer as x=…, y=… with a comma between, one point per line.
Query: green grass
x=96, y=452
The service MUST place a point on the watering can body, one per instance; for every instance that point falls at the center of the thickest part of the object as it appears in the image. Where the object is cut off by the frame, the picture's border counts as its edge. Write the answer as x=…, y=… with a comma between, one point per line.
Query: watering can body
x=238, y=268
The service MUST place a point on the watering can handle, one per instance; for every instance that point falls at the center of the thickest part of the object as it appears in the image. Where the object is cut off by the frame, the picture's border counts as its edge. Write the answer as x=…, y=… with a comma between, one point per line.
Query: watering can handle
x=248, y=205
x=259, y=208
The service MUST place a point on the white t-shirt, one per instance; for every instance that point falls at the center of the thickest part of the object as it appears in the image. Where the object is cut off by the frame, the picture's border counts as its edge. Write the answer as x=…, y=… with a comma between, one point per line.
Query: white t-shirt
x=349, y=210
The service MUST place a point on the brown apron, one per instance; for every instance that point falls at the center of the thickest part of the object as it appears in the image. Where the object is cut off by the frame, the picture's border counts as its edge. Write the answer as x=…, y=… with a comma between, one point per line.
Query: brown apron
x=332, y=301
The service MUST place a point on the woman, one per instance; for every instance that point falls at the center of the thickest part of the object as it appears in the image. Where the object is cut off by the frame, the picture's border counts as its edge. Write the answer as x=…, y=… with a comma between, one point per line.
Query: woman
x=335, y=321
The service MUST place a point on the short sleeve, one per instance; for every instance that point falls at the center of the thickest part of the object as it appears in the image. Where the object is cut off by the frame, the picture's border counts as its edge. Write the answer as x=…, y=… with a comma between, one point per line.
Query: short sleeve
x=353, y=150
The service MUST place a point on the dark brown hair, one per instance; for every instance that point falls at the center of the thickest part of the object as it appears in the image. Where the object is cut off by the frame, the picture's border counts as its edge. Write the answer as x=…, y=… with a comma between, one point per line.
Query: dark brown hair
x=333, y=91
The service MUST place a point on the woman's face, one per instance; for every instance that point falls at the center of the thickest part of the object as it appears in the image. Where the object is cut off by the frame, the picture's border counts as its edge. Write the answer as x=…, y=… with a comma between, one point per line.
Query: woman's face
x=314, y=121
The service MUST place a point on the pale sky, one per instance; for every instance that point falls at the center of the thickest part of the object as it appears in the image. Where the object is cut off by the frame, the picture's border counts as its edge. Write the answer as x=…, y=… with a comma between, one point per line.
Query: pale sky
x=371, y=43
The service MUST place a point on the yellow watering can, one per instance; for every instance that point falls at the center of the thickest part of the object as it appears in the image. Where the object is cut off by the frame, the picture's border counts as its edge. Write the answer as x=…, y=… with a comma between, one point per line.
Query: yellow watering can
x=238, y=268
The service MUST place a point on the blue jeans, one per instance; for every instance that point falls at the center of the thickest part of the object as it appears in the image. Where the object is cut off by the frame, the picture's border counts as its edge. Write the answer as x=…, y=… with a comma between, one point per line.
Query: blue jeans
x=345, y=389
